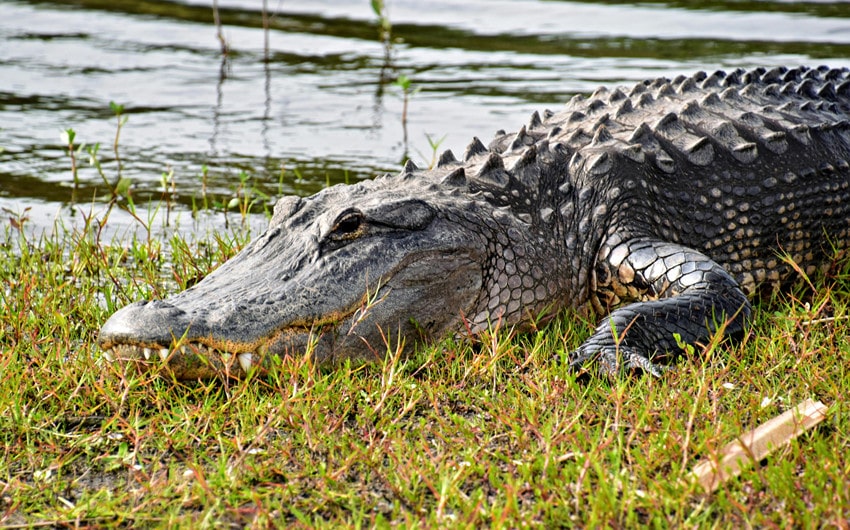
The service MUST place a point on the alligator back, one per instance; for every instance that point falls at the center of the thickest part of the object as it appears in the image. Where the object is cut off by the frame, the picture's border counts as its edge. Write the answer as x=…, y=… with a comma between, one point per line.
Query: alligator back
x=748, y=167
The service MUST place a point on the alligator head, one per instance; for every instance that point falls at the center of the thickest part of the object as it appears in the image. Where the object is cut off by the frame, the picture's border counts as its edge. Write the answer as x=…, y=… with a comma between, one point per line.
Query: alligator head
x=343, y=274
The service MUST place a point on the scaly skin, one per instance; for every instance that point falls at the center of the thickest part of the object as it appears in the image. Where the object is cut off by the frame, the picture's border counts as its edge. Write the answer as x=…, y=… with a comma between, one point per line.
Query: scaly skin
x=661, y=208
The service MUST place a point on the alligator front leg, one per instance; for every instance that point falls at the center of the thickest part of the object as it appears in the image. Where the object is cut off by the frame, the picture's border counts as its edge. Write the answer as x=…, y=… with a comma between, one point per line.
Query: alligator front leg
x=674, y=290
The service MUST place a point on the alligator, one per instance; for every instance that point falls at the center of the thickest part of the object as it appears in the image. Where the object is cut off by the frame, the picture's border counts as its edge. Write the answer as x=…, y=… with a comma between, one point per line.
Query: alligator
x=661, y=209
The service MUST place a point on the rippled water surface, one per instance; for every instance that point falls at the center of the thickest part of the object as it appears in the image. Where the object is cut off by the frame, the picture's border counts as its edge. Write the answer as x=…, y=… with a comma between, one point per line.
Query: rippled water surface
x=312, y=100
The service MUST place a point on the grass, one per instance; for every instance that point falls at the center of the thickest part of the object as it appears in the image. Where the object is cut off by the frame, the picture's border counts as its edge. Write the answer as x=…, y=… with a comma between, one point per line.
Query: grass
x=494, y=434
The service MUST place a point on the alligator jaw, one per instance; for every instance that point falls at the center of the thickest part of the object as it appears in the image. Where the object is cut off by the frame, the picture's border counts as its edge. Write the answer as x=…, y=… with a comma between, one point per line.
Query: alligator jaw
x=188, y=361
x=203, y=358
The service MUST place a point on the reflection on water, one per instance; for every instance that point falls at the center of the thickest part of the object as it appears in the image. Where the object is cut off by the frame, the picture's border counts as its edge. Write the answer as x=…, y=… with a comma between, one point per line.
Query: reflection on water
x=316, y=104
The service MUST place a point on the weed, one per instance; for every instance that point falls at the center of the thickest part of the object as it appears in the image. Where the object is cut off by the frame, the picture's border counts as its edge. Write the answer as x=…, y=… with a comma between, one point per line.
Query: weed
x=407, y=91
x=385, y=27
x=68, y=137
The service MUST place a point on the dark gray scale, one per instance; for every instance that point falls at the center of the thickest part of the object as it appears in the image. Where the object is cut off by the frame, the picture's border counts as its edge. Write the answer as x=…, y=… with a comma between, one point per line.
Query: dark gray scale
x=735, y=181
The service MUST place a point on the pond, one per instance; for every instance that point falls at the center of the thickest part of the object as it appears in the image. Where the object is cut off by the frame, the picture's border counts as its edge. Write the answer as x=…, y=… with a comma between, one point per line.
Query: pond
x=308, y=94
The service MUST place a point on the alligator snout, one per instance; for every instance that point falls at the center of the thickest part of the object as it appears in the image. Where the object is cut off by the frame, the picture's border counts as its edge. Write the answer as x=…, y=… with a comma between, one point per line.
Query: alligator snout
x=151, y=324
x=160, y=334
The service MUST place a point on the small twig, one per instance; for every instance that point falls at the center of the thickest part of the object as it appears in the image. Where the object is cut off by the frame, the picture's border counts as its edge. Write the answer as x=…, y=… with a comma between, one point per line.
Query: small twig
x=823, y=320
x=757, y=444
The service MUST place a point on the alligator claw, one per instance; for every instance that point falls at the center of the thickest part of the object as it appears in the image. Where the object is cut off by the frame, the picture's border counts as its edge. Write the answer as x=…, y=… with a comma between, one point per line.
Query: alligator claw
x=613, y=361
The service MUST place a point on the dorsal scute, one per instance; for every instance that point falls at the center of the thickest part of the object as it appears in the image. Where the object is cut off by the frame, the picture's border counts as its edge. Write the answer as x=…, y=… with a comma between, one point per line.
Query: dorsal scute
x=665, y=124
x=447, y=158
x=409, y=170
x=474, y=148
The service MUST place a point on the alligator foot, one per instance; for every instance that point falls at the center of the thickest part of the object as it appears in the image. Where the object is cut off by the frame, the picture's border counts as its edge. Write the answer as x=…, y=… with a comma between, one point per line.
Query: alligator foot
x=613, y=361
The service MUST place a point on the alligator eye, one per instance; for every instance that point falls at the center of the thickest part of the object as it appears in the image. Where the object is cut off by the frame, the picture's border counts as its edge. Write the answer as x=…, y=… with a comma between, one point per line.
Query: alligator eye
x=348, y=226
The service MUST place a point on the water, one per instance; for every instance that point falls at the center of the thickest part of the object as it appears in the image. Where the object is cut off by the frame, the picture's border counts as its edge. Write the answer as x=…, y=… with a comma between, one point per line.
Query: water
x=318, y=105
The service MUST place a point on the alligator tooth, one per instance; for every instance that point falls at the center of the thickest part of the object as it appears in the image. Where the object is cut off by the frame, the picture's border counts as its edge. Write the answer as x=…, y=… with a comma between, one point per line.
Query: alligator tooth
x=757, y=72
x=107, y=354
x=245, y=361
x=163, y=354
x=147, y=352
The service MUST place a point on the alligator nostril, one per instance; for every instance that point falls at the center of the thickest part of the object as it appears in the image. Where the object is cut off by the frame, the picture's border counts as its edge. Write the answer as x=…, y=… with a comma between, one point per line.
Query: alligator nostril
x=153, y=322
